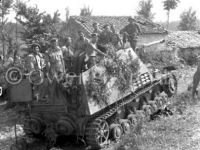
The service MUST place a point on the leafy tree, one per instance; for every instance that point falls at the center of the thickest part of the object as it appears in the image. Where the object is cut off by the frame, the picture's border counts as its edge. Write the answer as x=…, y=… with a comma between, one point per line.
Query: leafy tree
x=5, y=6
x=34, y=22
x=145, y=8
x=168, y=5
x=188, y=20
x=86, y=11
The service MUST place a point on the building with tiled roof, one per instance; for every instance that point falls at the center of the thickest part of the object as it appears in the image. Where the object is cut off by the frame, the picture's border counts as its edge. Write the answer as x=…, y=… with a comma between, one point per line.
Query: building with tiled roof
x=150, y=31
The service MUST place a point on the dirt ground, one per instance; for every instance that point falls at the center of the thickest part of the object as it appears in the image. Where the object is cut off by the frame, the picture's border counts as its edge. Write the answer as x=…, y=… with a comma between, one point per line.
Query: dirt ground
x=183, y=129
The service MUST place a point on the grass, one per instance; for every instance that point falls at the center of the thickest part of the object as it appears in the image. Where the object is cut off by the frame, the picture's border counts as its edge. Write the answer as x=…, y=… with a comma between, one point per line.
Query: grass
x=169, y=133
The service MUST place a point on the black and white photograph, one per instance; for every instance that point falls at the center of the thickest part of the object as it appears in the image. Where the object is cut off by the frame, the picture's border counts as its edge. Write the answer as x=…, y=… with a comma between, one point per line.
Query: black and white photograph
x=99, y=75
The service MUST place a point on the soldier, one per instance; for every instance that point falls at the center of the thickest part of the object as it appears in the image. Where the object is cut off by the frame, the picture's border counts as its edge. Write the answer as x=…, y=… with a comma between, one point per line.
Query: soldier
x=115, y=38
x=196, y=79
x=80, y=44
x=68, y=53
x=105, y=36
x=79, y=52
x=44, y=45
x=35, y=59
x=92, y=51
x=56, y=66
x=132, y=30
x=95, y=26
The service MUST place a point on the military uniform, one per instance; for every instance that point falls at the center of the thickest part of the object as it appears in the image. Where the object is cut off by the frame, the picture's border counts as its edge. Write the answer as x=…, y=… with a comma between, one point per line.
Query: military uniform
x=91, y=54
x=55, y=58
x=105, y=37
x=80, y=46
x=116, y=41
x=80, y=51
x=34, y=61
x=68, y=57
x=132, y=31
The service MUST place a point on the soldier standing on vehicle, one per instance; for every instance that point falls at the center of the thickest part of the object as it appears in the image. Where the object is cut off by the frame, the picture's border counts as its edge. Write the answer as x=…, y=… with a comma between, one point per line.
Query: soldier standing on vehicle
x=80, y=44
x=68, y=53
x=132, y=30
x=79, y=52
x=56, y=66
x=35, y=59
x=115, y=38
x=95, y=26
x=92, y=51
x=105, y=36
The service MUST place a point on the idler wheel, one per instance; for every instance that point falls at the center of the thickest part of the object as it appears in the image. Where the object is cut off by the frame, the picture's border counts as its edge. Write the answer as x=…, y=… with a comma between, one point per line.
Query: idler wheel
x=126, y=126
x=116, y=132
x=35, y=126
x=64, y=127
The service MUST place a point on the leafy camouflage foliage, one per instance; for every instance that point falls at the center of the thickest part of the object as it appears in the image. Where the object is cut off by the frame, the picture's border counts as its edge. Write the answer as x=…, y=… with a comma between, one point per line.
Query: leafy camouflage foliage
x=124, y=72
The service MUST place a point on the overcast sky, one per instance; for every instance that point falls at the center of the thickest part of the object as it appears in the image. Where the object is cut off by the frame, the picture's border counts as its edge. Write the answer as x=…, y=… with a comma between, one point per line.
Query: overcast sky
x=113, y=7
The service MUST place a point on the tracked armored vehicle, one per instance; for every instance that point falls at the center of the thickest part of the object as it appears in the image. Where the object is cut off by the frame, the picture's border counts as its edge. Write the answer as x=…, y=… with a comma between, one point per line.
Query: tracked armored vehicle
x=99, y=105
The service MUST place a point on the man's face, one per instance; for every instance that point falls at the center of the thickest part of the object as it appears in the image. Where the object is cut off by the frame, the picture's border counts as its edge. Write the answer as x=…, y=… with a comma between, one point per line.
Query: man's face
x=36, y=49
x=54, y=43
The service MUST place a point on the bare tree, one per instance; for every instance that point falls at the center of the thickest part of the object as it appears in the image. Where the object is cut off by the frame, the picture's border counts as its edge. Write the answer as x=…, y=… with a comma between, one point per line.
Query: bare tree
x=168, y=5
x=145, y=8
x=188, y=20
x=85, y=11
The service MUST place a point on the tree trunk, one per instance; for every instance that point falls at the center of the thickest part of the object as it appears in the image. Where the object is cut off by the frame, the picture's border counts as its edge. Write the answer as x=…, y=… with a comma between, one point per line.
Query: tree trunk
x=168, y=12
x=2, y=32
